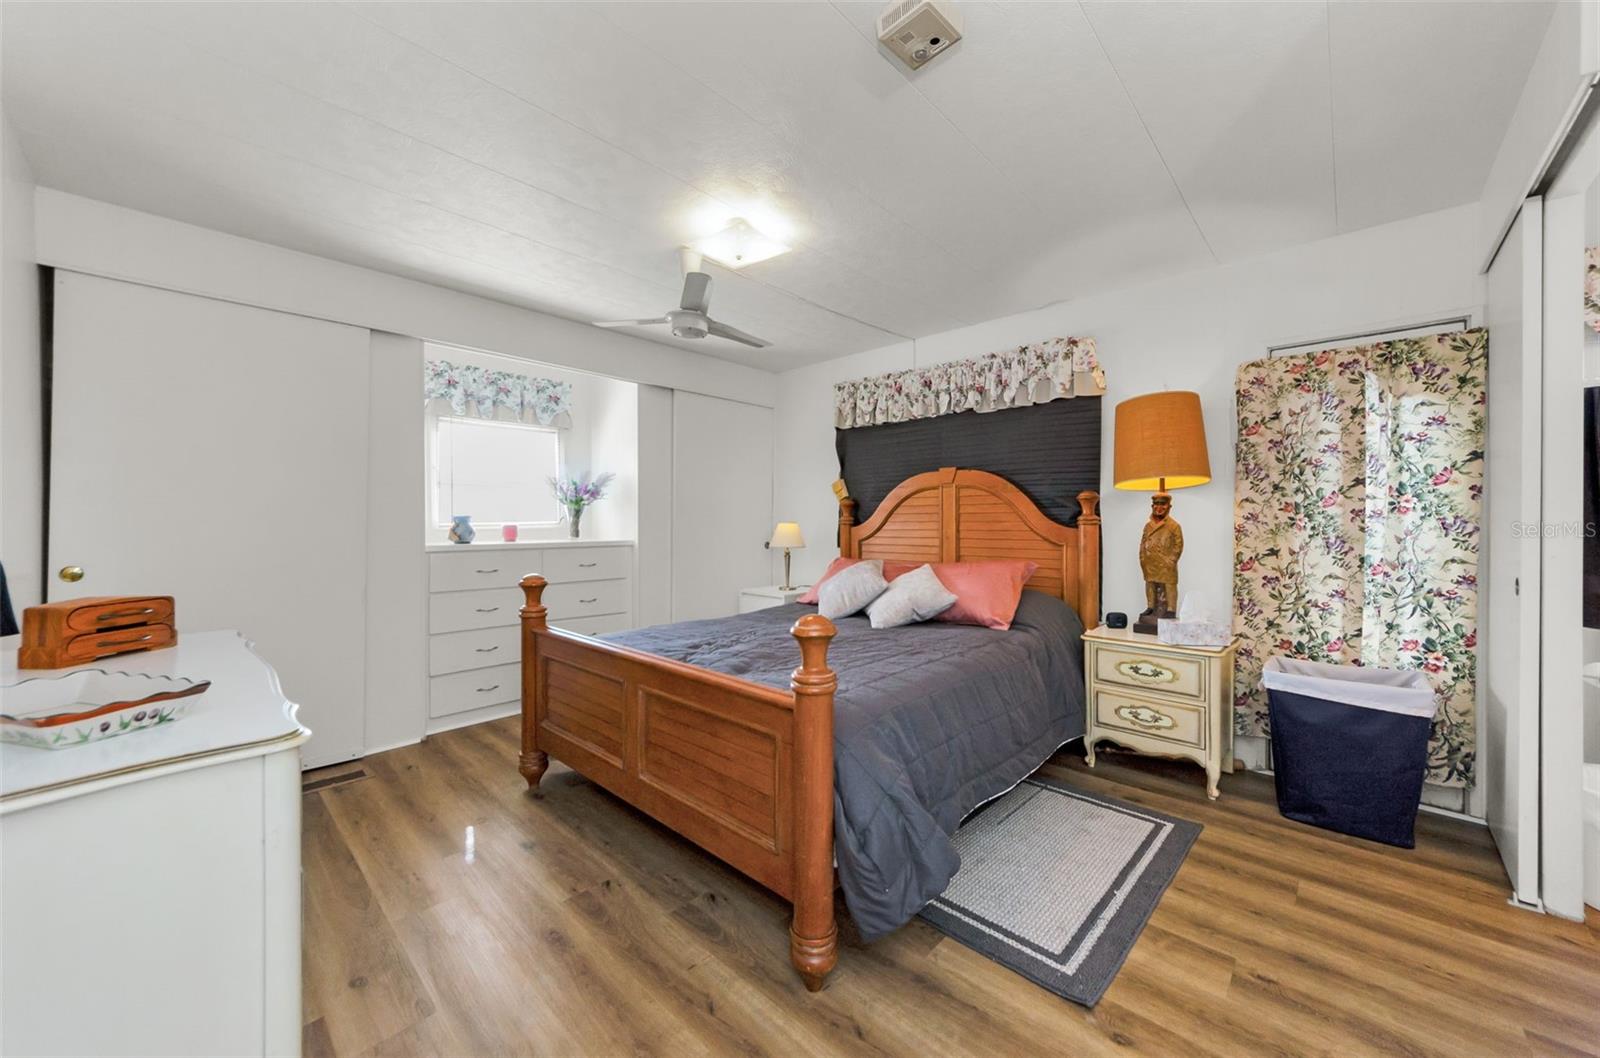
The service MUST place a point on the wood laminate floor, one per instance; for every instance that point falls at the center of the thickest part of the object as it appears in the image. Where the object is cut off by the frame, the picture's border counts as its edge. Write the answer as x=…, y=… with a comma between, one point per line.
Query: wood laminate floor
x=448, y=912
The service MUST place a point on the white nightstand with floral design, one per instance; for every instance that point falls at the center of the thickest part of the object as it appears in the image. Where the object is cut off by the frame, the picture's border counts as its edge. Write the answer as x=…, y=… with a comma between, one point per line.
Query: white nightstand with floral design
x=1160, y=698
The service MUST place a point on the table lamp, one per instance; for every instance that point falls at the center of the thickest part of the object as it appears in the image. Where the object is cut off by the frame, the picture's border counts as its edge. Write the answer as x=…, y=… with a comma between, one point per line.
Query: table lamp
x=787, y=536
x=1160, y=445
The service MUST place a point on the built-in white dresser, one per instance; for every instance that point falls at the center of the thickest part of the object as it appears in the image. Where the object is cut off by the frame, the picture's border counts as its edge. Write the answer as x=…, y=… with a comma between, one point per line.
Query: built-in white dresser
x=473, y=615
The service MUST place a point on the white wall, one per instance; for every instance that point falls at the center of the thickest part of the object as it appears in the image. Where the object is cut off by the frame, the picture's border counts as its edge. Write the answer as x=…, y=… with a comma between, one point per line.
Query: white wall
x=101, y=239
x=21, y=483
x=1188, y=332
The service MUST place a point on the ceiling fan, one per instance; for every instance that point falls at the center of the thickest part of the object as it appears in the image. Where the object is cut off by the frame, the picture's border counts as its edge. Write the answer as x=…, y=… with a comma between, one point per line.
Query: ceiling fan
x=689, y=319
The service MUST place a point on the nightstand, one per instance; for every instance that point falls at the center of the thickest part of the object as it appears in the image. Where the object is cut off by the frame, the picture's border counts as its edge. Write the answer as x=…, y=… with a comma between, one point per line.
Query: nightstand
x=751, y=599
x=1160, y=698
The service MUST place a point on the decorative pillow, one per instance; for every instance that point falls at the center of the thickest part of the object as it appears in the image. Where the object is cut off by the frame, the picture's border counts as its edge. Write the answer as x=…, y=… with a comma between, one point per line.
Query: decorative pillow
x=891, y=570
x=840, y=563
x=915, y=596
x=852, y=588
x=987, y=593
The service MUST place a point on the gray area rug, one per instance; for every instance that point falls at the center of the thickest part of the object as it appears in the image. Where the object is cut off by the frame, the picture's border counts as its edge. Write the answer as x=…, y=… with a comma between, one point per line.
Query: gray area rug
x=1057, y=884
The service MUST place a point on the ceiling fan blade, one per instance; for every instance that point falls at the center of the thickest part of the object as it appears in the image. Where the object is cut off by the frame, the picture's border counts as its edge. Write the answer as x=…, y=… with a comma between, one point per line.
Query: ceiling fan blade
x=696, y=292
x=722, y=330
x=630, y=323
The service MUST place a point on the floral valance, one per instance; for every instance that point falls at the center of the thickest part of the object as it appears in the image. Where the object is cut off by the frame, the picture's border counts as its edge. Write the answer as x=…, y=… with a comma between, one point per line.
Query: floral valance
x=1591, y=289
x=490, y=394
x=1015, y=378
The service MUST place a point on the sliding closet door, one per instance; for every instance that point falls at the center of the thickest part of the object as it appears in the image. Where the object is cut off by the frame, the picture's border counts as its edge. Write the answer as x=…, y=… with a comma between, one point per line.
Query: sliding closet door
x=218, y=454
x=1512, y=494
x=721, y=503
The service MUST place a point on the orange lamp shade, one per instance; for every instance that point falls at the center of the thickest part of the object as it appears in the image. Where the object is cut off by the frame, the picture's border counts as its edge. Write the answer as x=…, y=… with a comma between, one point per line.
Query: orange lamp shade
x=1160, y=438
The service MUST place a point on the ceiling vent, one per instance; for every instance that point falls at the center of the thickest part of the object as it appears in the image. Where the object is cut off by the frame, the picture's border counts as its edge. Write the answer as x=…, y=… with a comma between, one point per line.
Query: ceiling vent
x=918, y=30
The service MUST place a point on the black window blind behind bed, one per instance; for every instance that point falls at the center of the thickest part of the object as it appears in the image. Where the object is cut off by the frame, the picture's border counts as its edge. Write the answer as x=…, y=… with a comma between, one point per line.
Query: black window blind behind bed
x=1050, y=451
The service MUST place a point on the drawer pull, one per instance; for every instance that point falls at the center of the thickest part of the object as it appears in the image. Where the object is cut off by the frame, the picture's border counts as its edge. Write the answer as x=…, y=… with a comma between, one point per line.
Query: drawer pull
x=495, y=570
x=491, y=687
x=486, y=650
x=1146, y=671
x=595, y=599
x=1146, y=717
x=587, y=565
x=487, y=609
x=120, y=614
x=124, y=642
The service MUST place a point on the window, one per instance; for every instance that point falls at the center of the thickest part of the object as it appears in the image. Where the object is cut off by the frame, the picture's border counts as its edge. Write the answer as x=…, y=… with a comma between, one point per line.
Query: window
x=494, y=471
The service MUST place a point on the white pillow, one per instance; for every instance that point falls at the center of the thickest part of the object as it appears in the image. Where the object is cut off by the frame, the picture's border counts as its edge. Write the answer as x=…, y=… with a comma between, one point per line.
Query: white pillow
x=916, y=596
x=847, y=591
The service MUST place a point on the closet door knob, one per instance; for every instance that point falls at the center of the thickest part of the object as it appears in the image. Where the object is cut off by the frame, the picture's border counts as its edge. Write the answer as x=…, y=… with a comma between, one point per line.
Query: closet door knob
x=71, y=574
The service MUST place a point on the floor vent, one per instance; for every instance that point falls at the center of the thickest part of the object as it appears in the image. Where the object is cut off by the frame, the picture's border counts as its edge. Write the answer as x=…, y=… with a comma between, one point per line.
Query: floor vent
x=310, y=785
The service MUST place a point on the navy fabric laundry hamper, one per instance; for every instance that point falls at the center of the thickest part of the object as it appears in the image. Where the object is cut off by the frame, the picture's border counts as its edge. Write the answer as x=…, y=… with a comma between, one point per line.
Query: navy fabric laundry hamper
x=1349, y=746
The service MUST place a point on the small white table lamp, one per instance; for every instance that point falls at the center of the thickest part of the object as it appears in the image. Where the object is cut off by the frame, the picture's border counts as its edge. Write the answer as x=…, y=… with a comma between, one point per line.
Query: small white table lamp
x=787, y=536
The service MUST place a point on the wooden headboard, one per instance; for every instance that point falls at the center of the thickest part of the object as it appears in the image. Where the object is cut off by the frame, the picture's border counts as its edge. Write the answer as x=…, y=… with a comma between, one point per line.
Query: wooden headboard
x=952, y=515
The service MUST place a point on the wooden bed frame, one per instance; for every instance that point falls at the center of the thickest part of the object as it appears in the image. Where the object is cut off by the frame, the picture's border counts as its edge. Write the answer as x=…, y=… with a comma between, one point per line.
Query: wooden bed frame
x=745, y=770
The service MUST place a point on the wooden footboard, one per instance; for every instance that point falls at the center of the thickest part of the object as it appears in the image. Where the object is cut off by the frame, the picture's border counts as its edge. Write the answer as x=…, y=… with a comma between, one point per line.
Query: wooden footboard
x=741, y=769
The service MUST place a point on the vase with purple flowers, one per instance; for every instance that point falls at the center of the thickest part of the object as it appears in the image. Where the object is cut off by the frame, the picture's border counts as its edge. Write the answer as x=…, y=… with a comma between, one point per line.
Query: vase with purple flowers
x=576, y=495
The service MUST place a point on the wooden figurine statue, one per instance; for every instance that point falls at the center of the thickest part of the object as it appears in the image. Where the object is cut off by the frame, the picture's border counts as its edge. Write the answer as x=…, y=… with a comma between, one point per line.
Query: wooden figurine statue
x=1159, y=550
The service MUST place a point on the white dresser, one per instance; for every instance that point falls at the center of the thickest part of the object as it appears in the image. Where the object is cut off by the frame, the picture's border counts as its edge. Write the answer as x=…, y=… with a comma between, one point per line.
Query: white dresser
x=150, y=884
x=473, y=603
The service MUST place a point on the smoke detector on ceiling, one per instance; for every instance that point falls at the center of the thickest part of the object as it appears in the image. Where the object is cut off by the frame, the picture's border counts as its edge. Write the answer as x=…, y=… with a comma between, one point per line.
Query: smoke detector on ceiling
x=917, y=30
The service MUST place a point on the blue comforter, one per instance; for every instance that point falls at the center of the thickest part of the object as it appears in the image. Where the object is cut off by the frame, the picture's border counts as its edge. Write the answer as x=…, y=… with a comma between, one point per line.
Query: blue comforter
x=930, y=721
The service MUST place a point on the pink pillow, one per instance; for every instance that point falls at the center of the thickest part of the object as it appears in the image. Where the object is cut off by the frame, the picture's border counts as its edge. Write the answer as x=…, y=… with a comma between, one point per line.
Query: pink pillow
x=987, y=593
x=891, y=570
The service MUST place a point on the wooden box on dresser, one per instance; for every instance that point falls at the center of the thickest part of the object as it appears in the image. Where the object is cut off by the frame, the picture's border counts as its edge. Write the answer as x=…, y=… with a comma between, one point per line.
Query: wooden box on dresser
x=1160, y=698
x=473, y=603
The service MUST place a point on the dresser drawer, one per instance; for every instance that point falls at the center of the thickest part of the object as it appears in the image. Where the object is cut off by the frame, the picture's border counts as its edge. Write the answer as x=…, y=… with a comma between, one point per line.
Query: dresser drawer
x=587, y=599
x=457, y=651
x=121, y=613
x=1167, y=720
x=458, y=611
x=460, y=691
x=563, y=564
x=595, y=626
x=467, y=569
x=1167, y=673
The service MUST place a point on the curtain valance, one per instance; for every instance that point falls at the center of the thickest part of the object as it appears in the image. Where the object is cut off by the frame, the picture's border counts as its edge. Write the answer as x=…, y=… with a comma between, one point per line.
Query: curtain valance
x=1015, y=378
x=487, y=394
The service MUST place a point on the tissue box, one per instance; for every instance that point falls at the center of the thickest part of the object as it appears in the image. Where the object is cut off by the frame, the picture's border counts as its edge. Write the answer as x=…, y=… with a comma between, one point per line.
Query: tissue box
x=1193, y=633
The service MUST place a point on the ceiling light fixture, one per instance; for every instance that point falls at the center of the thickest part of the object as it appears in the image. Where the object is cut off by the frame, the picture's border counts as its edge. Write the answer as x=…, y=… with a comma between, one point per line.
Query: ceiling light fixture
x=739, y=244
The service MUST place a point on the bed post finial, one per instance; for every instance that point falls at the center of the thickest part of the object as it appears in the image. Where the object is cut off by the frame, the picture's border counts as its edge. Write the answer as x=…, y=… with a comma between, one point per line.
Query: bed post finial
x=1088, y=602
x=813, y=935
x=532, y=763
x=847, y=522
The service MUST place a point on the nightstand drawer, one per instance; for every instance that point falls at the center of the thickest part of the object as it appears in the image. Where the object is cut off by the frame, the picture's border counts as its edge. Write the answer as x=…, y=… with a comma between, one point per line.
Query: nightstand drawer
x=1170, y=721
x=1164, y=673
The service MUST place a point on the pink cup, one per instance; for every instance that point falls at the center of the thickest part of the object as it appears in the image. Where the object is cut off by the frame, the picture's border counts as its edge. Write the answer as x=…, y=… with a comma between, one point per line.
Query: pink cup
x=508, y=532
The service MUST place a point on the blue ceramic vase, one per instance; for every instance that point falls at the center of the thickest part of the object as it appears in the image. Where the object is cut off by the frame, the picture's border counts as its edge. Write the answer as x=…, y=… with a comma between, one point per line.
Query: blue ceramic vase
x=461, y=531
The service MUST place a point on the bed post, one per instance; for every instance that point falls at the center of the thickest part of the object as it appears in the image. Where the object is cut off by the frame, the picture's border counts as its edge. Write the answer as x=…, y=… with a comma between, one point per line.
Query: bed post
x=531, y=763
x=1088, y=601
x=847, y=521
x=813, y=936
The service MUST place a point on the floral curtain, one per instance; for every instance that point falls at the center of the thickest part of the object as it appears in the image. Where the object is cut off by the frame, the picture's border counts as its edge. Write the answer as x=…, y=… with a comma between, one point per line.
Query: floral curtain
x=489, y=394
x=1015, y=378
x=1591, y=288
x=1357, y=508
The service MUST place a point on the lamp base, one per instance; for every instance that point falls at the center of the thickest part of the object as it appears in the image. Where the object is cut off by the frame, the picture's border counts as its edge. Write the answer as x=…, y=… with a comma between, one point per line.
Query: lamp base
x=1147, y=621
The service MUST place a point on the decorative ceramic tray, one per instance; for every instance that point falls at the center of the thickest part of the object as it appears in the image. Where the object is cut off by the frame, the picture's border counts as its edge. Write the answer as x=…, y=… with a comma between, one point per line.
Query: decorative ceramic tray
x=58, y=712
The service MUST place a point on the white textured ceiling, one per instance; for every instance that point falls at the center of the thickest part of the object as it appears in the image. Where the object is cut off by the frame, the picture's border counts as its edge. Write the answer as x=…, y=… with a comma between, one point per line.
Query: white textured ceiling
x=554, y=155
